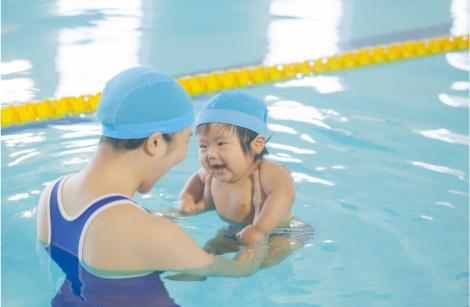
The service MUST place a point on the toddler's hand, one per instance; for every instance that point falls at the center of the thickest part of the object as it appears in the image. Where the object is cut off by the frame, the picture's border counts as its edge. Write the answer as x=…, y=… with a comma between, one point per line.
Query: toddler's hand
x=250, y=234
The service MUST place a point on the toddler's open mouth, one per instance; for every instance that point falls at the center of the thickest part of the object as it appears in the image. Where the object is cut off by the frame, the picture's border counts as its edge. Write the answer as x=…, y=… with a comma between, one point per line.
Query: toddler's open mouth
x=219, y=168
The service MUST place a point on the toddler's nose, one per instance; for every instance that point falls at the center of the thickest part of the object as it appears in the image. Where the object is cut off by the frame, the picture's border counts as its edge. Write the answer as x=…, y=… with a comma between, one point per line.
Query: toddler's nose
x=213, y=154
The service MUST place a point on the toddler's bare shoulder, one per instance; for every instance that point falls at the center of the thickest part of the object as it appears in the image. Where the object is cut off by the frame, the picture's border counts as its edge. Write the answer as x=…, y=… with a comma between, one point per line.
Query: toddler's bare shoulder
x=202, y=173
x=272, y=168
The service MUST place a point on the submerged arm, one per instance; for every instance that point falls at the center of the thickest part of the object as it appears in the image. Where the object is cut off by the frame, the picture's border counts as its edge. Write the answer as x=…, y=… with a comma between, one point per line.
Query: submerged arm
x=245, y=263
x=175, y=250
x=125, y=240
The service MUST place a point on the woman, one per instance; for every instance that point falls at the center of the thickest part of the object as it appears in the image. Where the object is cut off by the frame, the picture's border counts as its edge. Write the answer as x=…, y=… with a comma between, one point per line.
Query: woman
x=90, y=216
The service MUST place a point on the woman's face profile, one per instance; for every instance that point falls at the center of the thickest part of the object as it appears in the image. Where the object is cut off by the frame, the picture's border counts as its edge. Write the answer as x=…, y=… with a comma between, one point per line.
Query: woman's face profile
x=178, y=148
x=176, y=152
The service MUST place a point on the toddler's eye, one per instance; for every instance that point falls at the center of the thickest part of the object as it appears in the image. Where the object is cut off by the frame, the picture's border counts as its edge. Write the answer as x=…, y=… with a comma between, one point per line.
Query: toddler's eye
x=202, y=146
x=220, y=143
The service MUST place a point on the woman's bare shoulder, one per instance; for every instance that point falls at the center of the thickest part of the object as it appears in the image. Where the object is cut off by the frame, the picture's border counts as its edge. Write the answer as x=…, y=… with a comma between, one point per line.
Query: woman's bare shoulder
x=42, y=213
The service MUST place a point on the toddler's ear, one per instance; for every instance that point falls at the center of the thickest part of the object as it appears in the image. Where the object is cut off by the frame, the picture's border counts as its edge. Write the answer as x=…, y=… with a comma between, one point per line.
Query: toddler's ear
x=258, y=143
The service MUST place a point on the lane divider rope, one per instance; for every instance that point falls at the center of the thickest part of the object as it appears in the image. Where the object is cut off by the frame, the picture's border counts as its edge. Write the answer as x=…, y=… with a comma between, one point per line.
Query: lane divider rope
x=247, y=76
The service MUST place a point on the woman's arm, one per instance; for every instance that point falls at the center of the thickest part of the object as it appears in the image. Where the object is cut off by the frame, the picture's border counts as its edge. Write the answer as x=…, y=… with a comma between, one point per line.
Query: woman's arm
x=245, y=263
x=196, y=196
x=128, y=240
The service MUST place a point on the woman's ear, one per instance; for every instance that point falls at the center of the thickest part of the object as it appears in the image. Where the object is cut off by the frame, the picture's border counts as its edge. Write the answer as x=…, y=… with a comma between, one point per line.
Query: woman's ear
x=154, y=144
x=258, y=143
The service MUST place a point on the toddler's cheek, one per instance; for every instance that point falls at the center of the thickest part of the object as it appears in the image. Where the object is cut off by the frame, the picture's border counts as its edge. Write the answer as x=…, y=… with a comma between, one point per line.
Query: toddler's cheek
x=206, y=167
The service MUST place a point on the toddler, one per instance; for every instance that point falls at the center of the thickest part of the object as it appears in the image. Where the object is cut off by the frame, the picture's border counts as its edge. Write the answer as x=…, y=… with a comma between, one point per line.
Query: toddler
x=253, y=195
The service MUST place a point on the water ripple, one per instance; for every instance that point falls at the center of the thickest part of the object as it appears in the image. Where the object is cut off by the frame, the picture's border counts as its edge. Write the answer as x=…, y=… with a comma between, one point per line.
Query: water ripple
x=299, y=177
x=282, y=159
x=290, y=148
x=458, y=59
x=281, y=128
x=323, y=84
x=440, y=169
x=460, y=85
x=293, y=110
x=25, y=138
x=32, y=154
x=445, y=135
x=79, y=130
x=307, y=138
x=454, y=101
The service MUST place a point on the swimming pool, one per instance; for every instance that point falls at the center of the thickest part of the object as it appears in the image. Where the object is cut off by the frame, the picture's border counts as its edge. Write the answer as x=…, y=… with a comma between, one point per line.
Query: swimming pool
x=379, y=155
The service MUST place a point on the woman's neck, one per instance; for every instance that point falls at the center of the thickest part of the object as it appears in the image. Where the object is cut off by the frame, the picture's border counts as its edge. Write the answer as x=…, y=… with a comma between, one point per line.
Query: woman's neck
x=113, y=173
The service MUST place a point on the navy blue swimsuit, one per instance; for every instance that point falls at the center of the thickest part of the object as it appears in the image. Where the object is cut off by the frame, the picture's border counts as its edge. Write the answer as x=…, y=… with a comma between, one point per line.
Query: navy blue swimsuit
x=82, y=288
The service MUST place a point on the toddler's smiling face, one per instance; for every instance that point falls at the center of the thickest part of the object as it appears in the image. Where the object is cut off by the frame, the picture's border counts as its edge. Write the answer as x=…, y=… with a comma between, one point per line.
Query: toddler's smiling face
x=221, y=154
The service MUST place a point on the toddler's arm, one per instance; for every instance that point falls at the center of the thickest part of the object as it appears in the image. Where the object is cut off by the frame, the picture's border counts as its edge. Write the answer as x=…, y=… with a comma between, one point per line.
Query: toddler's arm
x=196, y=196
x=278, y=185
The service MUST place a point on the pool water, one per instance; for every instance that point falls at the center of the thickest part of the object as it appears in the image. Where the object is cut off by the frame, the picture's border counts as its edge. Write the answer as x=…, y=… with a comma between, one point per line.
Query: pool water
x=379, y=155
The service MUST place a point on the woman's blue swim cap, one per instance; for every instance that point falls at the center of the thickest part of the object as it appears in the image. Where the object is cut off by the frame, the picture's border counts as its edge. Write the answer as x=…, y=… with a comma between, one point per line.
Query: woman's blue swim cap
x=141, y=101
x=235, y=108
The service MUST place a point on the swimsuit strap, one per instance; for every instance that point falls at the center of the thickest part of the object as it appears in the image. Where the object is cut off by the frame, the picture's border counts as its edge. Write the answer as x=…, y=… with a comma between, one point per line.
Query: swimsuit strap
x=67, y=232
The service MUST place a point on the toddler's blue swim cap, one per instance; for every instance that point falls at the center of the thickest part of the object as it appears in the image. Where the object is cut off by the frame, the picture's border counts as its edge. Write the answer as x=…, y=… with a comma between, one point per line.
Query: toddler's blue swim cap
x=235, y=108
x=141, y=101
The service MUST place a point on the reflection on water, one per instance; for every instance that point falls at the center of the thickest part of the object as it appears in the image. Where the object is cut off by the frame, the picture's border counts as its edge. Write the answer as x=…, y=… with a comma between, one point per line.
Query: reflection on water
x=307, y=138
x=21, y=139
x=79, y=130
x=281, y=128
x=460, y=85
x=445, y=135
x=459, y=11
x=293, y=110
x=28, y=214
x=80, y=143
x=323, y=84
x=290, y=148
x=454, y=101
x=440, y=169
x=299, y=177
x=458, y=59
x=17, y=89
x=446, y=204
x=16, y=66
x=282, y=158
x=88, y=55
x=426, y=217
x=303, y=30
x=29, y=155
x=457, y=192
x=18, y=196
